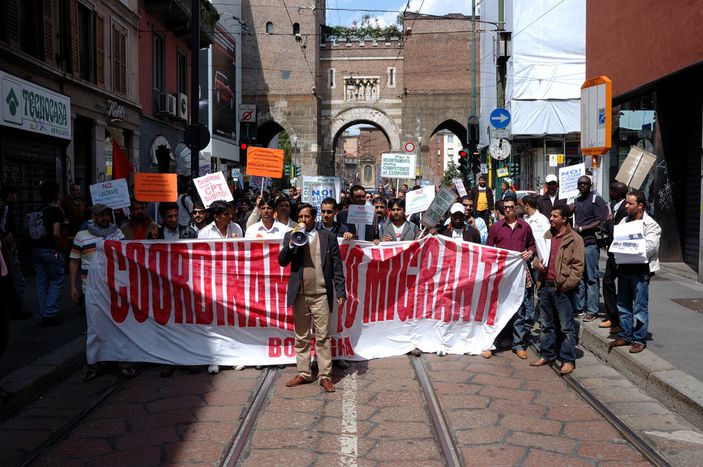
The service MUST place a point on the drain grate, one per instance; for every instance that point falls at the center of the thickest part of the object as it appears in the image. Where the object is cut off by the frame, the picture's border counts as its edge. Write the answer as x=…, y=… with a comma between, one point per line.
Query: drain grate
x=695, y=304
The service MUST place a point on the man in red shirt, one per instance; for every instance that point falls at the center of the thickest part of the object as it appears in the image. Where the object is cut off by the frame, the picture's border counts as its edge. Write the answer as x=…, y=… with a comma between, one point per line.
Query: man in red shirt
x=560, y=279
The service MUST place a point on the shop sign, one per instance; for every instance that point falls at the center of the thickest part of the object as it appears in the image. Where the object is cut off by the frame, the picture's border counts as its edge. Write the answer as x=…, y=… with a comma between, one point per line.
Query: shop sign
x=115, y=110
x=33, y=108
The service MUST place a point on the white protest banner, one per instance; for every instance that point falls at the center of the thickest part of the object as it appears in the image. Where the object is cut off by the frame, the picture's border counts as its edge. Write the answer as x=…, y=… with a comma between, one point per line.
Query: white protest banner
x=114, y=193
x=397, y=165
x=360, y=214
x=460, y=188
x=213, y=187
x=568, y=180
x=224, y=302
x=439, y=206
x=419, y=200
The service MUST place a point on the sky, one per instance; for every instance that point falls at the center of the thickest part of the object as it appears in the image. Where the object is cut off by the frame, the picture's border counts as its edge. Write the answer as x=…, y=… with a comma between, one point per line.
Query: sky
x=343, y=12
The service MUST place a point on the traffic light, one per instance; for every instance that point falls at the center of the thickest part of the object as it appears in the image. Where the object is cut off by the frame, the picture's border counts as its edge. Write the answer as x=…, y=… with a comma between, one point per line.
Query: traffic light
x=243, y=153
x=473, y=131
x=464, y=162
x=475, y=160
x=287, y=169
x=513, y=169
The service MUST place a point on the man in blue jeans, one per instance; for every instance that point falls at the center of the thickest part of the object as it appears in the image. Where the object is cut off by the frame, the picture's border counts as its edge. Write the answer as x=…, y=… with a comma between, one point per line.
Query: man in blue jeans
x=47, y=259
x=589, y=211
x=633, y=279
x=559, y=278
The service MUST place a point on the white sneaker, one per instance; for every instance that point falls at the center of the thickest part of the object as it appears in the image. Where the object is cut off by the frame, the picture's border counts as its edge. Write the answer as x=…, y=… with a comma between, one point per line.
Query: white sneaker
x=441, y=353
x=239, y=367
x=213, y=369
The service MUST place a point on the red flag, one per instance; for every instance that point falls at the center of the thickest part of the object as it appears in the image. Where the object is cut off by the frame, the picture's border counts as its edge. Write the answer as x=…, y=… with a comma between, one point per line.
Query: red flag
x=121, y=166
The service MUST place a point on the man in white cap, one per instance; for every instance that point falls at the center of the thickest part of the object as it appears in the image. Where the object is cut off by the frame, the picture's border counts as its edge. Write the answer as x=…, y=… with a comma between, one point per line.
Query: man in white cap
x=548, y=200
x=458, y=228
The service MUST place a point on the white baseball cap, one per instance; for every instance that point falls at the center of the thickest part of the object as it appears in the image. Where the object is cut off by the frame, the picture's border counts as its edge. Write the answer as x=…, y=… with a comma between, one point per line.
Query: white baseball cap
x=456, y=207
x=550, y=178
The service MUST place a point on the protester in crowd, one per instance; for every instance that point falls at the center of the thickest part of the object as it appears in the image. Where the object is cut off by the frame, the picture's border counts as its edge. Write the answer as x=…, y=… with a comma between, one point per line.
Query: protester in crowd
x=369, y=199
x=537, y=221
x=482, y=197
x=184, y=202
x=618, y=212
x=380, y=207
x=559, y=280
x=316, y=276
x=199, y=221
x=472, y=219
x=48, y=255
x=398, y=229
x=267, y=227
x=74, y=209
x=283, y=211
x=498, y=212
x=368, y=232
x=14, y=294
x=139, y=225
x=633, y=279
x=245, y=209
x=515, y=234
x=222, y=225
x=295, y=195
x=589, y=211
x=458, y=227
x=170, y=229
x=550, y=198
x=506, y=189
x=328, y=210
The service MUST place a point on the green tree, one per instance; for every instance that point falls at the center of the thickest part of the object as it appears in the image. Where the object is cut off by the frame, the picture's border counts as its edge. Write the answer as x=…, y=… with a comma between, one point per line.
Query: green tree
x=285, y=144
x=450, y=174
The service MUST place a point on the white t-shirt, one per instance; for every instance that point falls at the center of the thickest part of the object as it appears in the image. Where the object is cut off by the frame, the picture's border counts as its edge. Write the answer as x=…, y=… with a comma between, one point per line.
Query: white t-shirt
x=211, y=231
x=398, y=231
x=258, y=230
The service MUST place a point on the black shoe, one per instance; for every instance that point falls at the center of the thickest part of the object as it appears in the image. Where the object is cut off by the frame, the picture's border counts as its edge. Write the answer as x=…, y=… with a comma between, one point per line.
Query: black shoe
x=21, y=315
x=259, y=367
x=167, y=371
x=50, y=321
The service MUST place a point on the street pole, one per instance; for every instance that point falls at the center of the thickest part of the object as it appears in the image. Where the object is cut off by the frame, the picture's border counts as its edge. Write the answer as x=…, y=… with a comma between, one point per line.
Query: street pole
x=473, y=72
x=194, y=91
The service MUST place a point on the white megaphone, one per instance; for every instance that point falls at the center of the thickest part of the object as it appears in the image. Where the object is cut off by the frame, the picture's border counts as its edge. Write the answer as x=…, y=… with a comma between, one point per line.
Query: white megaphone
x=298, y=236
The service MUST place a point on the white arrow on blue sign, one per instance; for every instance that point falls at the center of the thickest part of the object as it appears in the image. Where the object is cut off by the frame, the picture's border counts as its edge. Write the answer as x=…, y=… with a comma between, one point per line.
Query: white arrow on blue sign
x=500, y=118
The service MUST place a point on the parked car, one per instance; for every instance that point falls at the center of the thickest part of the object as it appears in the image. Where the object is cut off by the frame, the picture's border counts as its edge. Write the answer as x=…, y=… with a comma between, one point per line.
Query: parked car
x=522, y=193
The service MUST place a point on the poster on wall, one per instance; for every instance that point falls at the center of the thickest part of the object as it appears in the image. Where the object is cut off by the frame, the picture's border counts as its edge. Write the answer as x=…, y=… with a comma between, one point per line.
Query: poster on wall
x=223, y=86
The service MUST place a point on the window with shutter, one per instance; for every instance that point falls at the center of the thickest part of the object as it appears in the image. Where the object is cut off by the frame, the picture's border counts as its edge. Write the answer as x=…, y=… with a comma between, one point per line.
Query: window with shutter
x=10, y=30
x=75, y=57
x=48, y=33
x=100, y=49
x=119, y=59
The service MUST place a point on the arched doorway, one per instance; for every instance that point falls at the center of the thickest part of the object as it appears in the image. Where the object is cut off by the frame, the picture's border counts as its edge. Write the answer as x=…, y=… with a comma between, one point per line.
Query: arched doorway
x=271, y=134
x=442, y=156
x=357, y=155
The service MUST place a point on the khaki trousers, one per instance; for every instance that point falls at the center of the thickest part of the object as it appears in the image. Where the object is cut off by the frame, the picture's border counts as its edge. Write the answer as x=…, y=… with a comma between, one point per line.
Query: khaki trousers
x=309, y=309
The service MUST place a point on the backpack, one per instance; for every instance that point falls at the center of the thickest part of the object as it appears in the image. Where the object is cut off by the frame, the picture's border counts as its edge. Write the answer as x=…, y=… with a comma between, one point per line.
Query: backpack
x=34, y=225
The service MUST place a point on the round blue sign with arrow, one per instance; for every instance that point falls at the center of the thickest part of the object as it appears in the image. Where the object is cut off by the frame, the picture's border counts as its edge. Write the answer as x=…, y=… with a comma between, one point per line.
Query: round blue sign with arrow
x=500, y=118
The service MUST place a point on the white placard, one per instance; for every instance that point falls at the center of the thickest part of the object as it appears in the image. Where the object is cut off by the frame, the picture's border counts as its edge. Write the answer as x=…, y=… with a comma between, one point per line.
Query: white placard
x=419, y=200
x=213, y=187
x=114, y=193
x=394, y=165
x=439, y=206
x=629, y=245
x=360, y=214
x=460, y=188
x=568, y=180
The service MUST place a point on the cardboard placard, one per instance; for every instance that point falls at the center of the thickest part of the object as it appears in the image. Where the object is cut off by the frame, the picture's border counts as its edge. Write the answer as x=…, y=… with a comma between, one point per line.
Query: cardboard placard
x=637, y=165
x=151, y=187
x=213, y=187
x=460, y=188
x=265, y=162
x=441, y=203
x=360, y=214
x=419, y=200
x=114, y=193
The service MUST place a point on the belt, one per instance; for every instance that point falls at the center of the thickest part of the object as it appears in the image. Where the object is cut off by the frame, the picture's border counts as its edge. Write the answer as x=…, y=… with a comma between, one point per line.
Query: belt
x=550, y=283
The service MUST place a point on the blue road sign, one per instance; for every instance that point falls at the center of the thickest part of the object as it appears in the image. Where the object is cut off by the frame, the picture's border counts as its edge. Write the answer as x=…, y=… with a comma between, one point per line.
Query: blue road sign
x=500, y=118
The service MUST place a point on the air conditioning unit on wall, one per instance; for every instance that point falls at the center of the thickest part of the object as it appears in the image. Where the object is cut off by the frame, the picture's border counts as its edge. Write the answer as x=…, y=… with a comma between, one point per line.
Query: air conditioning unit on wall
x=167, y=105
x=183, y=106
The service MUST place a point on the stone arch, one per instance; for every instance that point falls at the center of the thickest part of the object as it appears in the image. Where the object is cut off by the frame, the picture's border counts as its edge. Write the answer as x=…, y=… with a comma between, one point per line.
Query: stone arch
x=368, y=115
x=268, y=129
x=453, y=126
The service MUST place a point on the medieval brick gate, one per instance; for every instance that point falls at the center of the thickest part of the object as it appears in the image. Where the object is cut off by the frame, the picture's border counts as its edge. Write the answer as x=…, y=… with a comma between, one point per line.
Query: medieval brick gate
x=314, y=85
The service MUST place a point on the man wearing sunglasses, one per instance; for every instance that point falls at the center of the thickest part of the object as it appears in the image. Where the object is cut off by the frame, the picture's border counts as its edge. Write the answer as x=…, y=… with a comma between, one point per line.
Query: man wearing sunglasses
x=328, y=210
x=589, y=211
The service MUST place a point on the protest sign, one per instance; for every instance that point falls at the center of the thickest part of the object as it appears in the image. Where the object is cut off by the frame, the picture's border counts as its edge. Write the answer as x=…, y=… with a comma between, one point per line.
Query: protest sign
x=439, y=206
x=460, y=188
x=637, y=165
x=213, y=187
x=265, y=162
x=152, y=187
x=114, y=193
x=502, y=172
x=360, y=214
x=419, y=200
x=224, y=302
x=568, y=180
x=629, y=245
x=317, y=188
x=397, y=165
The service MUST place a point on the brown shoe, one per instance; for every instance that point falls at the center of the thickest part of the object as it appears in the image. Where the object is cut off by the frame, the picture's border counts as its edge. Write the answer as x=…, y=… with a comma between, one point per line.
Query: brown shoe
x=567, y=368
x=521, y=354
x=540, y=362
x=327, y=385
x=619, y=342
x=297, y=381
x=615, y=330
x=486, y=354
x=637, y=347
x=605, y=324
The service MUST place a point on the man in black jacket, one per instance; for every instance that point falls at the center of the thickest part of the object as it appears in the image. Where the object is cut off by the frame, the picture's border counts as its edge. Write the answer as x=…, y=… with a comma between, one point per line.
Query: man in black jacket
x=550, y=199
x=316, y=276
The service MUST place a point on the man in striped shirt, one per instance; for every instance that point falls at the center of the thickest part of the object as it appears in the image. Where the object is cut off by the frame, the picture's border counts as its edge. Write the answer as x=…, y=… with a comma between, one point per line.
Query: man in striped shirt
x=85, y=245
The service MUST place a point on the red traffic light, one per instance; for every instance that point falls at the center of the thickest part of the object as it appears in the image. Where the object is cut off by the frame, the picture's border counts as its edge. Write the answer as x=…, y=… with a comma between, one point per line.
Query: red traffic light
x=243, y=146
x=463, y=154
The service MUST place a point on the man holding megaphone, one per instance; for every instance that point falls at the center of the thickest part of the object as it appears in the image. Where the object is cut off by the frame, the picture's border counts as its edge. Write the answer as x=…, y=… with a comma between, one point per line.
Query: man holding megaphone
x=316, y=276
